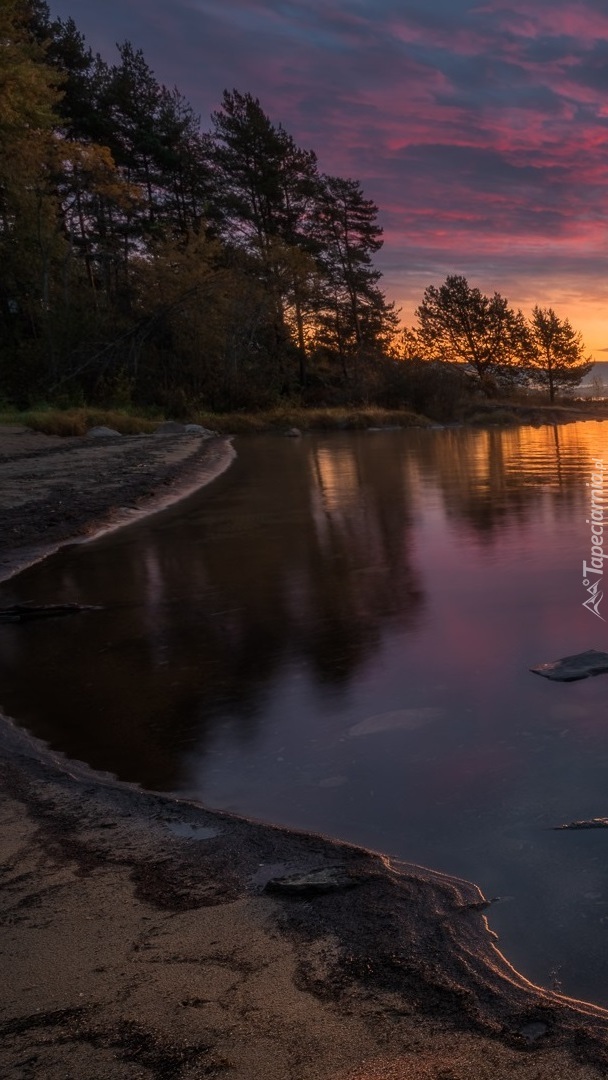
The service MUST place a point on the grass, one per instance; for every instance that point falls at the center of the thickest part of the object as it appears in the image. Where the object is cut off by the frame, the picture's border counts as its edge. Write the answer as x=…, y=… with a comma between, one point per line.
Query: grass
x=78, y=421
x=282, y=418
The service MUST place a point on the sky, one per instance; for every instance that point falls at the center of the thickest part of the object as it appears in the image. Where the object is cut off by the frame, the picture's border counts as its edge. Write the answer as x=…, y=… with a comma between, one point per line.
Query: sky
x=479, y=127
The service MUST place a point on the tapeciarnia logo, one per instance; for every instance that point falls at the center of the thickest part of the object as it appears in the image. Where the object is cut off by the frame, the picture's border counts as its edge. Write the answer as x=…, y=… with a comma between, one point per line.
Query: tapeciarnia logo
x=593, y=571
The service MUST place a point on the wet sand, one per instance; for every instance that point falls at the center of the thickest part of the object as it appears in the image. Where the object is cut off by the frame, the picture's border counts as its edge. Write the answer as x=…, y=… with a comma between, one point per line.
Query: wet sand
x=139, y=937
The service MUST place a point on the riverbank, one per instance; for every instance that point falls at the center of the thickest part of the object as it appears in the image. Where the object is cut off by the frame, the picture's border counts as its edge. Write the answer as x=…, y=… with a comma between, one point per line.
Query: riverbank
x=482, y=412
x=140, y=939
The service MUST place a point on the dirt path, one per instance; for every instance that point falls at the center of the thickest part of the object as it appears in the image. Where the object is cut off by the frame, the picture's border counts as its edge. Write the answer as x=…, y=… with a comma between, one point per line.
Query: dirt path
x=139, y=939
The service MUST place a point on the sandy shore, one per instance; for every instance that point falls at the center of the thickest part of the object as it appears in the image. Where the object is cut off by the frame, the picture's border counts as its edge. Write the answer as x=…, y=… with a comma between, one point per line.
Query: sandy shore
x=139, y=938
x=55, y=490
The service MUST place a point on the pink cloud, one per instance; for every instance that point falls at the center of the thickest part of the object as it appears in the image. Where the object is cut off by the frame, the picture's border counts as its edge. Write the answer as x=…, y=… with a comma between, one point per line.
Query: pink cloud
x=576, y=20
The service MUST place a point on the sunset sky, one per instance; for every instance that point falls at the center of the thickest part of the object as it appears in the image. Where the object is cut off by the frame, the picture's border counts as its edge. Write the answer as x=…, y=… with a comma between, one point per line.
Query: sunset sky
x=479, y=127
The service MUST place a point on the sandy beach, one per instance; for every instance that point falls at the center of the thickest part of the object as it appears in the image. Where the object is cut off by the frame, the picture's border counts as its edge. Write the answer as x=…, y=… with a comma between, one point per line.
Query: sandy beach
x=147, y=937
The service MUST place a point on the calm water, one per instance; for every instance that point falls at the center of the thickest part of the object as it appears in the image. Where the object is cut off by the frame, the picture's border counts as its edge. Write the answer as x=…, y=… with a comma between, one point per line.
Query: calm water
x=336, y=635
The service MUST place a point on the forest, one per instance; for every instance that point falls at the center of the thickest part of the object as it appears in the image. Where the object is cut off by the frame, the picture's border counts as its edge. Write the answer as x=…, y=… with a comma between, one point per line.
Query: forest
x=149, y=262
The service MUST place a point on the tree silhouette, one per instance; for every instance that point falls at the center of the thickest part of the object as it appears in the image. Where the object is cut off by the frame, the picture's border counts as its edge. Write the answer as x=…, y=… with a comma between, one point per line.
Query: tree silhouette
x=557, y=352
x=459, y=323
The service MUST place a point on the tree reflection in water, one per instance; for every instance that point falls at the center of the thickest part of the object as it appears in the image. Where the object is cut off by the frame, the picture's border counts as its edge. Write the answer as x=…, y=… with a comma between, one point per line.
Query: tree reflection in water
x=301, y=556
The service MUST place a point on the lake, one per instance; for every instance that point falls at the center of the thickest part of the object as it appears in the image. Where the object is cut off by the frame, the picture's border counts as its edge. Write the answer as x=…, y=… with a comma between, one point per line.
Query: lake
x=336, y=635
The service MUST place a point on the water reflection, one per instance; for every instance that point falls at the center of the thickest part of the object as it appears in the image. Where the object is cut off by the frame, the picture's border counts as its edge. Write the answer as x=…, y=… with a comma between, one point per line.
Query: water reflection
x=203, y=610
x=303, y=554
x=491, y=476
x=337, y=635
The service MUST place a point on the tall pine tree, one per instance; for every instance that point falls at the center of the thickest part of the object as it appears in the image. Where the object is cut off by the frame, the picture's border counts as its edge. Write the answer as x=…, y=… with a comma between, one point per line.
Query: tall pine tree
x=356, y=318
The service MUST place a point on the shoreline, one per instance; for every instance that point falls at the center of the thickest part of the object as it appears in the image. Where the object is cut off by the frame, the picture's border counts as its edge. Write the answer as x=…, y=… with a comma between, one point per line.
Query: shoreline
x=142, y=942
x=138, y=915
x=94, y=486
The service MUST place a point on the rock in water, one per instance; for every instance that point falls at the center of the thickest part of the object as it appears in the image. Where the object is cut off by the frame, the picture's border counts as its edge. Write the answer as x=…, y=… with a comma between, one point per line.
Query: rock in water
x=399, y=720
x=571, y=668
x=592, y=823
x=28, y=611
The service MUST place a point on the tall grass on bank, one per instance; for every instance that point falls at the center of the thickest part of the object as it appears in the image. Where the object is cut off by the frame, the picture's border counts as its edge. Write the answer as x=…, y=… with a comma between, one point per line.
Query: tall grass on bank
x=77, y=421
x=282, y=418
x=66, y=422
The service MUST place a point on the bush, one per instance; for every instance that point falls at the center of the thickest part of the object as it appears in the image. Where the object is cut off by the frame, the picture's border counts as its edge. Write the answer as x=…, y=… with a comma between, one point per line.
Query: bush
x=429, y=387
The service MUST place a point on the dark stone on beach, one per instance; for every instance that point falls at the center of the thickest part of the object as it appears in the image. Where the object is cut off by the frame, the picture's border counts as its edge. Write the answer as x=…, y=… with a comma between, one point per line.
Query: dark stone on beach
x=592, y=823
x=534, y=1030
x=314, y=883
x=102, y=433
x=571, y=668
x=198, y=429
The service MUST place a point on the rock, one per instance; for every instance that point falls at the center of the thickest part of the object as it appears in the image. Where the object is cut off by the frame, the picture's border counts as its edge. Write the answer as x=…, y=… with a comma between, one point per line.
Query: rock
x=293, y=433
x=478, y=905
x=187, y=831
x=534, y=1030
x=26, y=612
x=170, y=427
x=314, y=883
x=571, y=668
x=198, y=429
x=399, y=720
x=101, y=433
x=592, y=823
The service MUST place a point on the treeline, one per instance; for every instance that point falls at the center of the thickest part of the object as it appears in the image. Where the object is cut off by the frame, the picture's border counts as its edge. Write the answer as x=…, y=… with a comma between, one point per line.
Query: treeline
x=145, y=258
x=146, y=261
x=498, y=347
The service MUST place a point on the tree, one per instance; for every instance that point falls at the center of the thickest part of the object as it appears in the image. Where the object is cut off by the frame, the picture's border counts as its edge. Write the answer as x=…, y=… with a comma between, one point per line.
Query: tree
x=204, y=319
x=458, y=323
x=267, y=188
x=556, y=352
x=357, y=317
x=265, y=182
x=408, y=345
x=32, y=247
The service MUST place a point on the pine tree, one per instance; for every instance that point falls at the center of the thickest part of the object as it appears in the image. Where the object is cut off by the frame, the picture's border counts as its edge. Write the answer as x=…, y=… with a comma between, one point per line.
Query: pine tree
x=459, y=323
x=267, y=190
x=356, y=316
x=557, y=352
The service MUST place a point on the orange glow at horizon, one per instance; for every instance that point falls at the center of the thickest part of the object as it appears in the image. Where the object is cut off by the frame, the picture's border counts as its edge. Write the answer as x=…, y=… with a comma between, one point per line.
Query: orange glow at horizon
x=587, y=314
